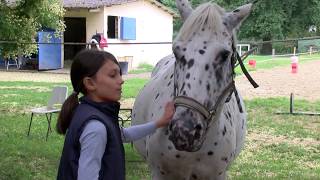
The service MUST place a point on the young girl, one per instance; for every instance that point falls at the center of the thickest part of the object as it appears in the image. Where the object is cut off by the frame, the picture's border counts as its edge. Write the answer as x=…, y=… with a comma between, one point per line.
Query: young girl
x=93, y=146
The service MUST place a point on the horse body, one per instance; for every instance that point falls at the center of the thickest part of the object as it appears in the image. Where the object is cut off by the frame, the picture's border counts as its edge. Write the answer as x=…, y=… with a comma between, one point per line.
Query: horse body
x=194, y=146
x=223, y=143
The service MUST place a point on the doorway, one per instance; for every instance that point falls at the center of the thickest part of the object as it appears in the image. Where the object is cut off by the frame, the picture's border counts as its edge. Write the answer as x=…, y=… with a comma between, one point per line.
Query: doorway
x=75, y=32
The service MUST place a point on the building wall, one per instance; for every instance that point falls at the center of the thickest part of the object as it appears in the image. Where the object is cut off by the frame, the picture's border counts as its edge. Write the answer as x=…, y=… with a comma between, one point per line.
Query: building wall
x=152, y=25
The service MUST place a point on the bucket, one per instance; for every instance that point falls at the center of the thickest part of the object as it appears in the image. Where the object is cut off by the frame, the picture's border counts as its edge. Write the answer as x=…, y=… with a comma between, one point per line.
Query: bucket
x=252, y=63
x=124, y=67
x=294, y=68
x=294, y=64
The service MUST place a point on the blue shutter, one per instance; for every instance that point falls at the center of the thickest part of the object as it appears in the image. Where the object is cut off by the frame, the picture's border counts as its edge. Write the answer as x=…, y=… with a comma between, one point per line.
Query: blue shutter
x=49, y=54
x=128, y=28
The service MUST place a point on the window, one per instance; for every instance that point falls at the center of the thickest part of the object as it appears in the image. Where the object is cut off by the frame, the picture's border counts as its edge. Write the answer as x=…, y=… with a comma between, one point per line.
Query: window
x=113, y=24
x=125, y=27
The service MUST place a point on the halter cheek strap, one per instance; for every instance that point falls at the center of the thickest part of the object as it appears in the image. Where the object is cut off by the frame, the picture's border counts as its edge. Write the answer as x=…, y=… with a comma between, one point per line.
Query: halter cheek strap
x=225, y=95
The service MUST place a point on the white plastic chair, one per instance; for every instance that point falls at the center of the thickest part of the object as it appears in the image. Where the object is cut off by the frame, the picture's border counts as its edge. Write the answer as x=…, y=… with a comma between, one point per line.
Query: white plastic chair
x=58, y=96
x=12, y=62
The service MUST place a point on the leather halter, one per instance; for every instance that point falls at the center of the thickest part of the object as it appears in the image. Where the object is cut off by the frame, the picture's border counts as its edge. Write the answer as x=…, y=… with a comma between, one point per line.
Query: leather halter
x=209, y=114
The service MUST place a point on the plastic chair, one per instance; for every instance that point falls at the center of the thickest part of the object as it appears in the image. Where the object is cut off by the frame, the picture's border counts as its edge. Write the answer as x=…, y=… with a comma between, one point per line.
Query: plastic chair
x=59, y=95
x=12, y=62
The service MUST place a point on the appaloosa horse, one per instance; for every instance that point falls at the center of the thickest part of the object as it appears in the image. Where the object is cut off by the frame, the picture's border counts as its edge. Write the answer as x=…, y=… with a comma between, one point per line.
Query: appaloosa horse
x=208, y=129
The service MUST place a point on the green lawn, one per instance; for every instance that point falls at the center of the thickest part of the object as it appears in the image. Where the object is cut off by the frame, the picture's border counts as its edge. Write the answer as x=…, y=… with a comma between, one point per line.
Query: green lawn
x=277, y=146
x=262, y=62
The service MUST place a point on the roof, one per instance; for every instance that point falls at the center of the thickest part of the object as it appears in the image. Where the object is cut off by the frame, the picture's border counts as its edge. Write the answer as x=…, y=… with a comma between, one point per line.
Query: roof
x=89, y=4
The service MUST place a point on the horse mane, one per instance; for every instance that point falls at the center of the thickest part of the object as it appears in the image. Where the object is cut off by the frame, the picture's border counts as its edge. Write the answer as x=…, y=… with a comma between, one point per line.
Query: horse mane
x=207, y=15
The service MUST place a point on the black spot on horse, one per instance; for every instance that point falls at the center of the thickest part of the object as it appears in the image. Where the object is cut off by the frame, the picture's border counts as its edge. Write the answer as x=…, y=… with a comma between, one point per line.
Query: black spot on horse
x=224, y=130
x=229, y=115
x=169, y=83
x=200, y=82
x=157, y=96
x=162, y=172
x=170, y=147
x=190, y=63
x=198, y=159
x=178, y=156
x=218, y=73
x=184, y=93
x=210, y=153
x=194, y=176
x=171, y=76
x=182, y=87
x=184, y=49
x=188, y=75
x=215, y=143
x=208, y=87
x=225, y=159
x=202, y=29
x=204, y=42
x=225, y=34
x=183, y=61
x=201, y=51
x=237, y=10
x=166, y=63
x=204, y=47
x=189, y=86
x=152, y=115
x=206, y=67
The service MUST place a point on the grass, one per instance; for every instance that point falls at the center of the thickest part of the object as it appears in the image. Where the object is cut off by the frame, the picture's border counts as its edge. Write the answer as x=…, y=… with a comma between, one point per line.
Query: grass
x=142, y=68
x=277, y=146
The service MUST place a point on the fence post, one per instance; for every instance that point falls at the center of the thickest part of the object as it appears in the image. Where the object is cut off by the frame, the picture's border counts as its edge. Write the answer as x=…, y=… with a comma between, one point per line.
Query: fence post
x=310, y=50
x=294, y=51
x=273, y=53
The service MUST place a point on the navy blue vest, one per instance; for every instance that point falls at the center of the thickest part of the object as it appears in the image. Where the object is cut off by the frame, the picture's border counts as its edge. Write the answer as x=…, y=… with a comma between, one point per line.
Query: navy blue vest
x=113, y=160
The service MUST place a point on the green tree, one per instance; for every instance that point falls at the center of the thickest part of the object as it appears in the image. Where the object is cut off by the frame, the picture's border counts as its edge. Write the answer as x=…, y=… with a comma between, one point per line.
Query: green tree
x=20, y=20
x=271, y=19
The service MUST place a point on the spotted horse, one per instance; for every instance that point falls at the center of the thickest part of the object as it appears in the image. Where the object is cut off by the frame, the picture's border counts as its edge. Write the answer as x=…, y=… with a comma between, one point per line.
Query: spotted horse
x=208, y=128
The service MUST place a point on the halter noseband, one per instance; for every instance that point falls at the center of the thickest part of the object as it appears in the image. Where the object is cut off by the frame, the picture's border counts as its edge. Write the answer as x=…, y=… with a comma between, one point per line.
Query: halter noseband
x=209, y=114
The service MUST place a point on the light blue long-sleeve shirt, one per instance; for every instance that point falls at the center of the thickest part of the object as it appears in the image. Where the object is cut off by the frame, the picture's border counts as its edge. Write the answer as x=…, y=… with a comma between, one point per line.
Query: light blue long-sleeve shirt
x=93, y=142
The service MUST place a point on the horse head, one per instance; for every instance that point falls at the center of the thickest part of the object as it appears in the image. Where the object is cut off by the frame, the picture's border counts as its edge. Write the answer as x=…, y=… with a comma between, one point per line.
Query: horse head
x=204, y=70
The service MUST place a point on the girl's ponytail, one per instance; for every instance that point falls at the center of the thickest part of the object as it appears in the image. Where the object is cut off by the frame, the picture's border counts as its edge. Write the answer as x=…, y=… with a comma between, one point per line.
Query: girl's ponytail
x=66, y=113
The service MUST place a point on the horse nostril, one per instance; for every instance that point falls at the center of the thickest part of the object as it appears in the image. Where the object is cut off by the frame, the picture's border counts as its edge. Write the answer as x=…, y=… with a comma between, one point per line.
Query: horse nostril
x=198, y=127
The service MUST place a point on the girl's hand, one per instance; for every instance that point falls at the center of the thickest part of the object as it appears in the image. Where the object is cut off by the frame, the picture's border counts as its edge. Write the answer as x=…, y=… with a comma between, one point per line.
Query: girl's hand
x=167, y=115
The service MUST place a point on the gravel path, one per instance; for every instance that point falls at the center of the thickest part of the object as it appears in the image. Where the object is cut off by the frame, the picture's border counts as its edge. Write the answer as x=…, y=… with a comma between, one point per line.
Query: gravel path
x=274, y=82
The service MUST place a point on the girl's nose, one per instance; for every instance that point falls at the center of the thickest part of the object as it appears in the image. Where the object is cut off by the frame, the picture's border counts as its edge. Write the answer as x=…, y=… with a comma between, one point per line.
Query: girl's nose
x=121, y=80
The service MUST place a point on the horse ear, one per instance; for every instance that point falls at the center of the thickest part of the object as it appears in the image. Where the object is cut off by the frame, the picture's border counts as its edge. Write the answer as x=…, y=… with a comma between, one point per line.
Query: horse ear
x=233, y=19
x=184, y=8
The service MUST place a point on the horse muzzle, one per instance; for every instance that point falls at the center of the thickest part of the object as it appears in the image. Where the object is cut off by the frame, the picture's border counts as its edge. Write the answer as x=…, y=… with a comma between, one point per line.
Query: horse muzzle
x=186, y=135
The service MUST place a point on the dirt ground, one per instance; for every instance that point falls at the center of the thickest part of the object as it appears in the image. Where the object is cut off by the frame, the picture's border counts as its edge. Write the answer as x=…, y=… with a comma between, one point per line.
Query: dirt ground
x=276, y=82
x=280, y=81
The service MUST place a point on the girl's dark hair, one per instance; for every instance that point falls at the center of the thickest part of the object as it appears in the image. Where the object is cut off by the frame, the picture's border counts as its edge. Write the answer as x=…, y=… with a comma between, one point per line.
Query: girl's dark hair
x=85, y=64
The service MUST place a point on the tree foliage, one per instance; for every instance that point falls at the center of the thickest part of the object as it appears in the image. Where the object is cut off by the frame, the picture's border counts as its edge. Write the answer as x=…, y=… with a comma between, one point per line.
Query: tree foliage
x=20, y=20
x=271, y=19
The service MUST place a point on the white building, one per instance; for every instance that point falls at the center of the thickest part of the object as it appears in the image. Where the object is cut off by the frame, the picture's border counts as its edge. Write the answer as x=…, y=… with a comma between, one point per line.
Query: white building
x=121, y=21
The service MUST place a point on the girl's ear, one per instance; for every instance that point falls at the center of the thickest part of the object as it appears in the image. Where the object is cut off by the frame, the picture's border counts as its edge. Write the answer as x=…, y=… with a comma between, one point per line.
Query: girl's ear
x=89, y=84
